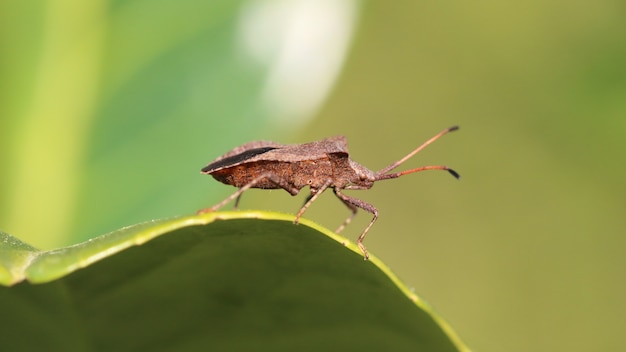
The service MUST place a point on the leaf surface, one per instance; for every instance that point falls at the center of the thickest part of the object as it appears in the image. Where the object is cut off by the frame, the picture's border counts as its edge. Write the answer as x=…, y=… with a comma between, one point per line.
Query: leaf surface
x=227, y=280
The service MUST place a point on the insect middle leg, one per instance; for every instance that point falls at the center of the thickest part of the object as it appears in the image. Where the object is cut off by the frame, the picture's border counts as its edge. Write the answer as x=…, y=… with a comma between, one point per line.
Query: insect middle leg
x=353, y=204
x=287, y=187
x=236, y=206
x=311, y=198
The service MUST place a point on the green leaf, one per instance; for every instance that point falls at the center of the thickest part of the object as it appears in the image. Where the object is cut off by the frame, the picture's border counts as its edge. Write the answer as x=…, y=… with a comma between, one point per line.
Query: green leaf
x=219, y=281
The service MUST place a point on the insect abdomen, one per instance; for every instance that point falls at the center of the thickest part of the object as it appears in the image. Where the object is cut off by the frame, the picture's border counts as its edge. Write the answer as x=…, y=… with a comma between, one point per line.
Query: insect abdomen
x=298, y=174
x=243, y=174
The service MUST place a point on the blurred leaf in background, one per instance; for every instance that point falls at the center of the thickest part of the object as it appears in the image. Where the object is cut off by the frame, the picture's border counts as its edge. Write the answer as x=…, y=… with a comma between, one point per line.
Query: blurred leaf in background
x=110, y=108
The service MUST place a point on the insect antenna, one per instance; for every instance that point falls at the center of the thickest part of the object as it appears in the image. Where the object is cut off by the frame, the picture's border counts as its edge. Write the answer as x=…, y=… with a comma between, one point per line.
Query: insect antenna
x=418, y=169
x=383, y=174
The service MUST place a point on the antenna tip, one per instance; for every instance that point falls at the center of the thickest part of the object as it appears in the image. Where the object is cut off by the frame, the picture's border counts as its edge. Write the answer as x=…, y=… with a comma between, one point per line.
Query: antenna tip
x=453, y=128
x=454, y=173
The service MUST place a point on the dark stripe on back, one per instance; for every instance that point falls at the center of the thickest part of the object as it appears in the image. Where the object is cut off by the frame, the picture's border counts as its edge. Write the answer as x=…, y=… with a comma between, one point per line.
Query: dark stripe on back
x=236, y=159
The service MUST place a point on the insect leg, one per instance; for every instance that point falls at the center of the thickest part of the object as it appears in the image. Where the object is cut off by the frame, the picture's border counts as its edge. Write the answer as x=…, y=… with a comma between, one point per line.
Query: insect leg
x=308, y=198
x=251, y=184
x=312, y=197
x=353, y=209
x=353, y=204
x=237, y=202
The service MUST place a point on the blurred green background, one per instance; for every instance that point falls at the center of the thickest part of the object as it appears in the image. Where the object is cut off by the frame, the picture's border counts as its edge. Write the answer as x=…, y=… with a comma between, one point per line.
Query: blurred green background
x=108, y=109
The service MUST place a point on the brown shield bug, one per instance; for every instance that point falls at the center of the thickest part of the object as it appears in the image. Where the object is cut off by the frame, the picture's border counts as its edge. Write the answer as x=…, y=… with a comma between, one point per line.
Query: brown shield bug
x=319, y=165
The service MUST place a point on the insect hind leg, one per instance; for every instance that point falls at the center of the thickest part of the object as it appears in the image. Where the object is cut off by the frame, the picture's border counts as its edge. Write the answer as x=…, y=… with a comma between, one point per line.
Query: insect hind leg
x=353, y=208
x=246, y=187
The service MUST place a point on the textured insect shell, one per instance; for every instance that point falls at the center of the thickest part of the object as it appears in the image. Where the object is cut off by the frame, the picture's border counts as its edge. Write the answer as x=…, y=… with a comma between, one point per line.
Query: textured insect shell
x=249, y=146
x=276, y=152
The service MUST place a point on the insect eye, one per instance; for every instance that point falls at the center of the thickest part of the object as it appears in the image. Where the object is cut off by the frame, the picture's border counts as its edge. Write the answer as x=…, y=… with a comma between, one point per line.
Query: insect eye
x=364, y=176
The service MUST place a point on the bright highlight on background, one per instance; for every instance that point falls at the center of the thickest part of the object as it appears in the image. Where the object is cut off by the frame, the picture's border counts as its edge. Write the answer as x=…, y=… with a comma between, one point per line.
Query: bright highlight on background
x=303, y=43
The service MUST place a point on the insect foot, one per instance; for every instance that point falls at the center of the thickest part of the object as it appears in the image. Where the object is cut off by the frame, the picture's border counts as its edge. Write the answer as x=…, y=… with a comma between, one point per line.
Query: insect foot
x=319, y=165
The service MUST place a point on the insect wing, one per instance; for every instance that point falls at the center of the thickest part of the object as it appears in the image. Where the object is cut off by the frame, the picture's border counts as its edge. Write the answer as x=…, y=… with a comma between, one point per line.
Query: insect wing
x=272, y=151
x=240, y=154
x=234, y=160
x=249, y=146
x=306, y=151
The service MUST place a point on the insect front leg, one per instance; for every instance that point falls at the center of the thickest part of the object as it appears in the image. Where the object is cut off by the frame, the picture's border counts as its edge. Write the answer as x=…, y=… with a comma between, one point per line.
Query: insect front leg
x=353, y=208
x=312, y=197
x=246, y=187
x=353, y=204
